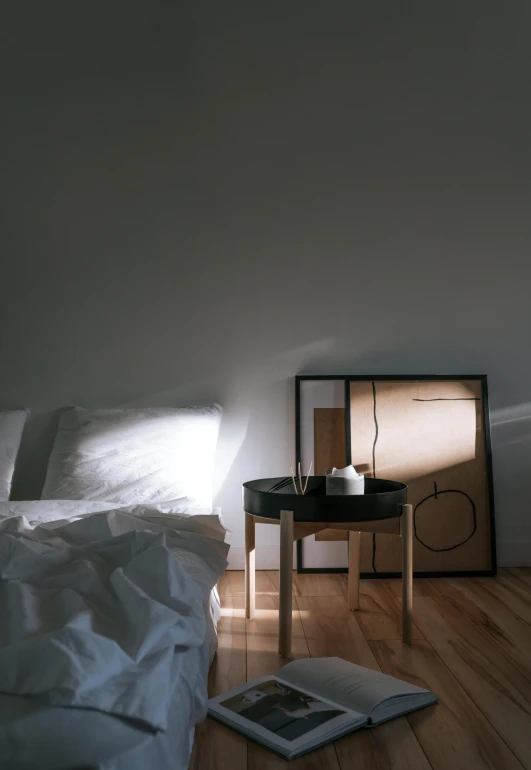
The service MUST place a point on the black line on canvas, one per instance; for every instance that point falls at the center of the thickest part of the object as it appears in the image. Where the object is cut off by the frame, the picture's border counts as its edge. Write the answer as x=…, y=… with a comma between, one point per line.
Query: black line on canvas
x=473, y=398
x=435, y=495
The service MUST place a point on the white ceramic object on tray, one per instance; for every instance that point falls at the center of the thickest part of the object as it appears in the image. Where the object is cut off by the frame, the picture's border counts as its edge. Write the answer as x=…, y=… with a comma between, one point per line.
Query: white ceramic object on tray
x=345, y=481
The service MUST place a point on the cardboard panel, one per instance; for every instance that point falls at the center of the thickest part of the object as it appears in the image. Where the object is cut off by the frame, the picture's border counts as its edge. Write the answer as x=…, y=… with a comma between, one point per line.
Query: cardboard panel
x=329, y=440
x=330, y=452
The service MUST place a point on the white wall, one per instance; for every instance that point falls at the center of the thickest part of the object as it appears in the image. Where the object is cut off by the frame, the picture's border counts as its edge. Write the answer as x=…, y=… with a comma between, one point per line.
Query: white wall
x=204, y=198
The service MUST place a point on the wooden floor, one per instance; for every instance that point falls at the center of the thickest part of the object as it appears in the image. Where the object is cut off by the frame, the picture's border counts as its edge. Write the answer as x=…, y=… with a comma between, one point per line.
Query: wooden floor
x=472, y=646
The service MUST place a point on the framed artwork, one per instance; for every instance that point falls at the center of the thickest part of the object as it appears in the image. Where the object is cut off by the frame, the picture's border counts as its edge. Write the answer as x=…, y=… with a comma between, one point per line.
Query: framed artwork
x=430, y=432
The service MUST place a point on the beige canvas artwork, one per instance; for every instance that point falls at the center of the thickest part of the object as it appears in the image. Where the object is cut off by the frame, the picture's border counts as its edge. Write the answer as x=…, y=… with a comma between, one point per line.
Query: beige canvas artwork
x=429, y=434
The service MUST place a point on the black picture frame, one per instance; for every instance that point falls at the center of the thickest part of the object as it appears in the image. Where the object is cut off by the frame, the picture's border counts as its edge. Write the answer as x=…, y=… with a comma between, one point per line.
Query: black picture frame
x=348, y=378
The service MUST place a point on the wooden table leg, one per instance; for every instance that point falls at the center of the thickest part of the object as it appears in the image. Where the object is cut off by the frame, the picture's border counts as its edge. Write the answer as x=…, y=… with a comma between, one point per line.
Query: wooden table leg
x=354, y=539
x=406, y=531
x=249, y=566
x=286, y=578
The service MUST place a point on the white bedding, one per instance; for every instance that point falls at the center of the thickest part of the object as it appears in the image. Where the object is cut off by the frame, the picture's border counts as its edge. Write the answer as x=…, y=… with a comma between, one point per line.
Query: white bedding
x=107, y=612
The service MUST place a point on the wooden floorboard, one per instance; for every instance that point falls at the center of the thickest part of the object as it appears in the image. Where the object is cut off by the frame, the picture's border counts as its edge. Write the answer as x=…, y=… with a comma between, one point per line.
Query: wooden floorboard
x=454, y=733
x=316, y=585
x=472, y=646
x=506, y=631
x=513, y=592
x=520, y=575
x=380, y=612
x=494, y=684
x=262, y=631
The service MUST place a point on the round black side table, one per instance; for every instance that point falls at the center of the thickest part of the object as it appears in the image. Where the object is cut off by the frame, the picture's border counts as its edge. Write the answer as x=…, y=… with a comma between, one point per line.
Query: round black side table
x=383, y=508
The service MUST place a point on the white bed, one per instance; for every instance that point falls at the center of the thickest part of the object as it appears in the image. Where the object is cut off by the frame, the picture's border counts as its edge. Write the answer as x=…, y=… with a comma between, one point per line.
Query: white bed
x=56, y=727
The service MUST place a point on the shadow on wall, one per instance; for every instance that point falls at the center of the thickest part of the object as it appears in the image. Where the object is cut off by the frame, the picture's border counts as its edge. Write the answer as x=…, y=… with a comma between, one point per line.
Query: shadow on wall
x=511, y=440
x=266, y=449
x=35, y=449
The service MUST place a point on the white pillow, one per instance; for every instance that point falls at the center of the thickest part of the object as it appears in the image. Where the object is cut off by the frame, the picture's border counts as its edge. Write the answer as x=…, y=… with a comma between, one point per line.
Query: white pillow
x=11, y=427
x=134, y=455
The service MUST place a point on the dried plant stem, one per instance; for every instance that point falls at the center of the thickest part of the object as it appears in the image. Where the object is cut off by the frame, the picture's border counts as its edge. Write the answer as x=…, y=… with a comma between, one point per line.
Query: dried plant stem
x=307, y=477
x=293, y=479
x=302, y=487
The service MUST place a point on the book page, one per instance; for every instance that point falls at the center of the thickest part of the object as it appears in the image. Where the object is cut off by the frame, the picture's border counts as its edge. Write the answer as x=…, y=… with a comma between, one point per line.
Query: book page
x=351, y=686
x=282, y=716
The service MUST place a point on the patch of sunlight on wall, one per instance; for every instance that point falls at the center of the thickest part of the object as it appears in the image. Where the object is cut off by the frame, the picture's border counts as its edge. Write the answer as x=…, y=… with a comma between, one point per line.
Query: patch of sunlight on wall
x=414, y=436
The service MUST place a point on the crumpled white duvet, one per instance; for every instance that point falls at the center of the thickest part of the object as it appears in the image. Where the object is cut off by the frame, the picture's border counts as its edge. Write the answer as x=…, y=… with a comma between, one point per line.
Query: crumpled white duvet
x=93, y=609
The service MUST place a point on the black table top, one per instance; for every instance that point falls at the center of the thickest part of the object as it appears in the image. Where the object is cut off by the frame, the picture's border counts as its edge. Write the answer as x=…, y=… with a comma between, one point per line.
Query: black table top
x=267, y=497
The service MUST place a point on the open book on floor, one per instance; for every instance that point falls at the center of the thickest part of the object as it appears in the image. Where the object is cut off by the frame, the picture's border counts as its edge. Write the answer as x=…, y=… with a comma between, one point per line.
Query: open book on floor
x=313, y=701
